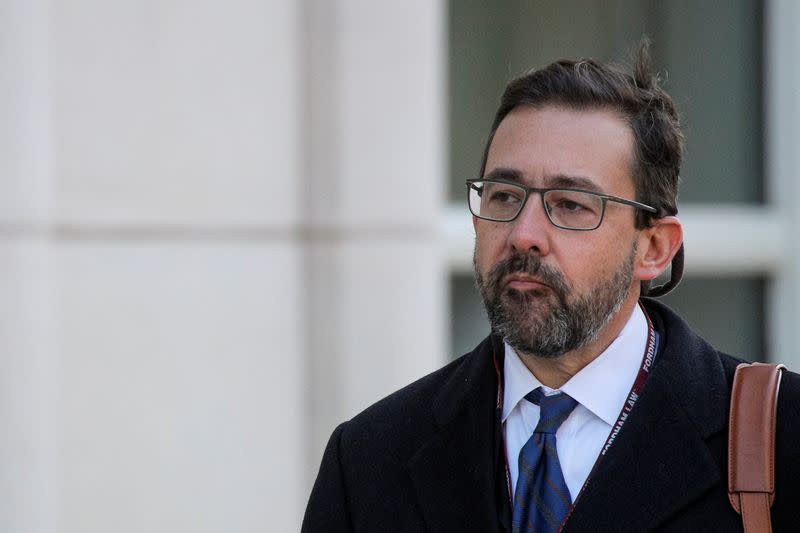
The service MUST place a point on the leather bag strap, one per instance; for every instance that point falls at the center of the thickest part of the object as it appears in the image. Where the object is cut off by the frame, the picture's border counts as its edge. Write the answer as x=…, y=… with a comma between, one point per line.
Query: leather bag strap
x=751, y=443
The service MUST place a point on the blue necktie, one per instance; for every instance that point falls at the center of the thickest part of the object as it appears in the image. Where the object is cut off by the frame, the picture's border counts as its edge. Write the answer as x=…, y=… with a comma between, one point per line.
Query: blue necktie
x=541, y=498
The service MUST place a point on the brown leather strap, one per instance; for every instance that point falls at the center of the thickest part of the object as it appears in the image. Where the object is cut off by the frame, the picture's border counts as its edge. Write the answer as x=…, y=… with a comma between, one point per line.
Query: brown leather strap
x=755, y=512
x=751, y=443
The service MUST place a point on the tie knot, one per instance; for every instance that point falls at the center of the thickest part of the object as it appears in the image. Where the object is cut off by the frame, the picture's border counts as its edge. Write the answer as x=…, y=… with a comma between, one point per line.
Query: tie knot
x=554, y=409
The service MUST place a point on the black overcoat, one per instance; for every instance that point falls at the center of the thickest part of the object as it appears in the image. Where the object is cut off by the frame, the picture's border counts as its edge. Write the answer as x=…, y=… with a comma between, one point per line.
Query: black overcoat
x=429, y=457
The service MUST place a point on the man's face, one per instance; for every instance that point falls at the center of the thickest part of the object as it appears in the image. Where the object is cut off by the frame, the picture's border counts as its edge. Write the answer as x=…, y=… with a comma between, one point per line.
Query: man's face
x=550, y=290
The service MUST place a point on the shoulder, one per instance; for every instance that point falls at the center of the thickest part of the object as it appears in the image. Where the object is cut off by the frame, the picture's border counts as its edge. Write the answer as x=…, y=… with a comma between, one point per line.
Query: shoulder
x=702, y=371
x=680, y=337
x=697, y=364
x=403, y=413
x=402, y=421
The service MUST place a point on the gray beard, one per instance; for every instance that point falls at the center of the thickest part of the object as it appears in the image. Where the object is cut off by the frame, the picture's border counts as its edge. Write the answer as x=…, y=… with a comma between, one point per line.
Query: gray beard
x=548, y=323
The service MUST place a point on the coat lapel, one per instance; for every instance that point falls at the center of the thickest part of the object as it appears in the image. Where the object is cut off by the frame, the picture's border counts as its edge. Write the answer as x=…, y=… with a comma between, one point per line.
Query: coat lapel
x=454, y=473
x=661, y=461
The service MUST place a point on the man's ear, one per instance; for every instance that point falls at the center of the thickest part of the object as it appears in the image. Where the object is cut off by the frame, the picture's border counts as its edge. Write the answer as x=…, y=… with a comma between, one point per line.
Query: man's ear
x=657, y=245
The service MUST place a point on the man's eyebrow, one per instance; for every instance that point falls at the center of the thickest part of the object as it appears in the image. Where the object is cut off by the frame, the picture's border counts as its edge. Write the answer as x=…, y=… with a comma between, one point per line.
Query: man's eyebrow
x=556, y=181
x=507, y=174
x=572, y=182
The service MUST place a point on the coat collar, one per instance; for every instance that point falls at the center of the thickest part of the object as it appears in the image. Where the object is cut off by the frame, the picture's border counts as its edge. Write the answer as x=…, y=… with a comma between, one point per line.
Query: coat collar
x=455, y=473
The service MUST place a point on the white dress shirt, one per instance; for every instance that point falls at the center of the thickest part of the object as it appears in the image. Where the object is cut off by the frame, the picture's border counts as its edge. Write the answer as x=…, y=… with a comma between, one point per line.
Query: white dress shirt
x=600, y=389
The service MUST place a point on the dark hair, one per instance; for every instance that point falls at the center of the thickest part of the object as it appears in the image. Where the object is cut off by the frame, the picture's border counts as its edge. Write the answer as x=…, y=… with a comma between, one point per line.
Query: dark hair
x=636, y=96
x=649, y=111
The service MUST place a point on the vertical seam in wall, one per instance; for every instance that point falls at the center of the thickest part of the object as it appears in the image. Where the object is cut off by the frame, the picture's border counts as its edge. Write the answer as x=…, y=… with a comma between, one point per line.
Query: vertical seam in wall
x=303, y=138
x=320, y=175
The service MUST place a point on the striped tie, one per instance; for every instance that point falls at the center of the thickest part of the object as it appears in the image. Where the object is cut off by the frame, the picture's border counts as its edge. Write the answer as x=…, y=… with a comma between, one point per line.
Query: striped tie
x=542, y=499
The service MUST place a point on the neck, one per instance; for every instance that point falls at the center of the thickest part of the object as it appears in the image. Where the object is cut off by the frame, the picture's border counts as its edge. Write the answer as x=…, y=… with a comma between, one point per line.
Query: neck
x=554, y=372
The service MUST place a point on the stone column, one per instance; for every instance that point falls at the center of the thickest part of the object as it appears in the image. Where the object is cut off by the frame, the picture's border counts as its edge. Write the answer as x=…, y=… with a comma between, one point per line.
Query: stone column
x=375, y=179
x=29, y=363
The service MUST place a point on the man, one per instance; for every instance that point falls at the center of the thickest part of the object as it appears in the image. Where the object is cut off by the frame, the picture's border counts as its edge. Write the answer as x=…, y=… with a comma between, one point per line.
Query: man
x=590, y=407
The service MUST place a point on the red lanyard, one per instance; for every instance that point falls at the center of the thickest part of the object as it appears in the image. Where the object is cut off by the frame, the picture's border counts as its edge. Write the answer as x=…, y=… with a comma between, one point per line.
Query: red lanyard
x=633, y=396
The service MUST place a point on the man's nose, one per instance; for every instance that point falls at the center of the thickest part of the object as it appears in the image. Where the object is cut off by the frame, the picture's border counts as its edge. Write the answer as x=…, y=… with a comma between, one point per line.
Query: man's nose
x=531, y=230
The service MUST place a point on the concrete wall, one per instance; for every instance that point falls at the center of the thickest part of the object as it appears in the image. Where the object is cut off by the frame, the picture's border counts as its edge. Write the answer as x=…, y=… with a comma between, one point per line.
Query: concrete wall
x=217, y=239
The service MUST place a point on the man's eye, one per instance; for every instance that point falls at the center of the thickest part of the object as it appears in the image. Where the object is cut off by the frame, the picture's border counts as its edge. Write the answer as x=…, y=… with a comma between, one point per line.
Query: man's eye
x=504, y=197
x=569, y=205
x=572, y=203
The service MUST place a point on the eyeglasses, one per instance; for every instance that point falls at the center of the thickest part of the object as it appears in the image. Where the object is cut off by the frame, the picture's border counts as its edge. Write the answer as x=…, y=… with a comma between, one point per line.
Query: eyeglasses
x=574, y=209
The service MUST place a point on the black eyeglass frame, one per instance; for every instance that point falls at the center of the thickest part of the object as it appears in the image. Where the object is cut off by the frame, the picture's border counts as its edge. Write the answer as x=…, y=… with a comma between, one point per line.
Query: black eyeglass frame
x=603, y=197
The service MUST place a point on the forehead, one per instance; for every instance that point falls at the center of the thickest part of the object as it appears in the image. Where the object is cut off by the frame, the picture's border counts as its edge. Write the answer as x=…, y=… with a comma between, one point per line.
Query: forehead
x=549, y=143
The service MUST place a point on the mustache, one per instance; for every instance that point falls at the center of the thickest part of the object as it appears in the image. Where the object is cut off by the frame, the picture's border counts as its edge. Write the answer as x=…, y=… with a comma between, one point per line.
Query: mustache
x=532, y=265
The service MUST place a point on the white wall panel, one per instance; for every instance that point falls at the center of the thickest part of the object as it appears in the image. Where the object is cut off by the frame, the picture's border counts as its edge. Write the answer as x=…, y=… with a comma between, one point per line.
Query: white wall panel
x=217, y=239
x=24, y=112
x=394, y=309
x=376, y=326
x=392, y=113
x=175, y=112
x=28, y=357
x=375, y=174
x=29, y=376
x=182, y=403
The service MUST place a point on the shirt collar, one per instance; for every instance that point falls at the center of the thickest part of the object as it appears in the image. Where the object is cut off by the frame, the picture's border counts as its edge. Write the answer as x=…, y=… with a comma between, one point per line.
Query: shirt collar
x=612, y=372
